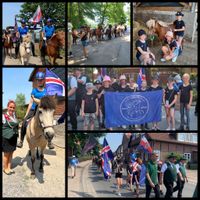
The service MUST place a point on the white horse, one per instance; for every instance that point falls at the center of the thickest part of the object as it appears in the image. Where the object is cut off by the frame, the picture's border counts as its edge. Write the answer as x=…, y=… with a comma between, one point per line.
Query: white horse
x=25, y=49
x=40, y=129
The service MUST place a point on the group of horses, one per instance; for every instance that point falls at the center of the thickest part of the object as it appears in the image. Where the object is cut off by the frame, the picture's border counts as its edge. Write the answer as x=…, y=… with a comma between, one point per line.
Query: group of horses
x=100, y=33
x=51, y=49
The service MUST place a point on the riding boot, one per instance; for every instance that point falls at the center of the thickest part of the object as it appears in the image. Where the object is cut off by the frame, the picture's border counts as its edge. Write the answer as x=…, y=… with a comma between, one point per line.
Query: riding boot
x=23, y=133
x=33, y=49
x=50, y=145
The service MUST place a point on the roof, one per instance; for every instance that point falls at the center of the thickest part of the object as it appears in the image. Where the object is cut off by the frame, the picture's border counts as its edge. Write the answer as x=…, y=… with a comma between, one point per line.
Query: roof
x=162, y=137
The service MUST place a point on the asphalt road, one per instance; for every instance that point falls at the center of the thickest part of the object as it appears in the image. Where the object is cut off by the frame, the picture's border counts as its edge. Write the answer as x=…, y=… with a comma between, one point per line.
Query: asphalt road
x=162, y=124
x=106, y=52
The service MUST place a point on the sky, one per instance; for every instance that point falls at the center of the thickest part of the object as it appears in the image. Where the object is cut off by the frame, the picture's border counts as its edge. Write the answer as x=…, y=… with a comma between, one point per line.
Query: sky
x=113, y=139
x=9, y=12
x=15, y=81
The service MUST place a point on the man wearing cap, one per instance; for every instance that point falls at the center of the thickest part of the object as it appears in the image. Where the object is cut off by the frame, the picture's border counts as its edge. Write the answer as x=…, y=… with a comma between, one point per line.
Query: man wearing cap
x=72, y=87
x=169, y=171
x=179, y=28
x=170, y=49
x=74, y=163
x=143, y=55
x=89, y=107
x=181, y=176
x=152, y=176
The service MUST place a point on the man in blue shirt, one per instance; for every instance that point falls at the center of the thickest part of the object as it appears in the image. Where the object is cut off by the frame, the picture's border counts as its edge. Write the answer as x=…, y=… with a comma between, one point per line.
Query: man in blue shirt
x=37, y=93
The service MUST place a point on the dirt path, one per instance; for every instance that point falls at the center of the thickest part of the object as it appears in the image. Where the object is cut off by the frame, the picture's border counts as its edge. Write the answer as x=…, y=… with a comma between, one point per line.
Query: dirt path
x=49, y=184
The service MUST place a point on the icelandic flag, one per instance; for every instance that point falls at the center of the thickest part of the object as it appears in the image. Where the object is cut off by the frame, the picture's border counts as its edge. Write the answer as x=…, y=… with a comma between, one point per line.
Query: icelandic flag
x=142, y=176
x=129, y=108
x=106, y=156
x=91, y=143
x=144, y=145
x=141, y=77
x=54, y=84
x=37, y=17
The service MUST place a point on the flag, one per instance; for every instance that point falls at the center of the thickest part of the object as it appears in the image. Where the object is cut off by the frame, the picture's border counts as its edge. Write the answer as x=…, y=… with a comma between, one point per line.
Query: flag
x=107, y=150
x=107, y=156
x=127, y=108
x=16, y=26
x=103, y=71
x=142, y=175
x=141, y=77
x=91, y=143
x=54, y=84
x=37, y=17
x=144, y=145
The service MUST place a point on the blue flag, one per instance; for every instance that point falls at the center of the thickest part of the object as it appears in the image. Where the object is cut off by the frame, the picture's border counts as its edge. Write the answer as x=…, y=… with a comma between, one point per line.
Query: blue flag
x=127, y=108
x=54, y=84
x=142, y=175
x=107, y=156
x=141, y=77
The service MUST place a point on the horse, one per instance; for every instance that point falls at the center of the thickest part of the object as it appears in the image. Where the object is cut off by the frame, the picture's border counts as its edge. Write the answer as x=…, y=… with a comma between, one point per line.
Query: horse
x=75, y=35
x=8, y=44
x=25, y=49
x=99, y=33
x=52, y=47
x=40, y=129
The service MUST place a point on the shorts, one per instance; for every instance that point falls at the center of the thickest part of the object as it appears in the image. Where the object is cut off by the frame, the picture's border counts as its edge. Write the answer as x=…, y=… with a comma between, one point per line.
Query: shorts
x=85, y=43
x=118, y=175
x=89, y=118
x=180, y=34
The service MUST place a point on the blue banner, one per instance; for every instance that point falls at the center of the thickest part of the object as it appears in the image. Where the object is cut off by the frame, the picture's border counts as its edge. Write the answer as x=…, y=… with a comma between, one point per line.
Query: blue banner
x=129, y=108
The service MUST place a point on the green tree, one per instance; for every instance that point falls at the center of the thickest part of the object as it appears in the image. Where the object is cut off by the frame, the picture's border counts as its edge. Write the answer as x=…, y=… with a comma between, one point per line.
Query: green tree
x=20, y=106
x=55, y=11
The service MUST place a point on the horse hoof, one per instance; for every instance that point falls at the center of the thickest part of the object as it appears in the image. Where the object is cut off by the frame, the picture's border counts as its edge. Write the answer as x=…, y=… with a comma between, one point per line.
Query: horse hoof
x=41, y=170
x=32, y=176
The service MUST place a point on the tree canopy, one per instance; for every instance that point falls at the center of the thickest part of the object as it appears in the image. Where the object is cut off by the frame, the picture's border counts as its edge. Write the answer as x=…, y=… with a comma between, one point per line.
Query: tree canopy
x=55, y=11
x=101, y=13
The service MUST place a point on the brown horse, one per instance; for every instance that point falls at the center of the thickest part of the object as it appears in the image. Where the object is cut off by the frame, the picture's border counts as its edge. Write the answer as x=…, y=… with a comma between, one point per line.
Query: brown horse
x=159, y=27
x=52, y=47
x=8, y=44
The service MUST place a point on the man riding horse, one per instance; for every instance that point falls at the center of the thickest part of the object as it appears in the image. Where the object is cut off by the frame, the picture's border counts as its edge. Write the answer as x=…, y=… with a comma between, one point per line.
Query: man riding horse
x=37, y=93
x=47, y=34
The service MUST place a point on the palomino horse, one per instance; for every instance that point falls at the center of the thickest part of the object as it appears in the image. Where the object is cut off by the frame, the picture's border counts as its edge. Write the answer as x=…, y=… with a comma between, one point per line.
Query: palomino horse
x=25, y=49
x=52, y=47
x=40, y=129
x=8, y=45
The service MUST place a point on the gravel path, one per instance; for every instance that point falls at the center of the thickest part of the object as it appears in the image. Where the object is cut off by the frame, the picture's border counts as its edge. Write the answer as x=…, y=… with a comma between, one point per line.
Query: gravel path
x=49, y=184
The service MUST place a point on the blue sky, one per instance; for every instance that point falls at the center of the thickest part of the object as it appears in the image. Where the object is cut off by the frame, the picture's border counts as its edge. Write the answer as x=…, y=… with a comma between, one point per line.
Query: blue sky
x=114, y=140
x=9, y=12
x=15, y=81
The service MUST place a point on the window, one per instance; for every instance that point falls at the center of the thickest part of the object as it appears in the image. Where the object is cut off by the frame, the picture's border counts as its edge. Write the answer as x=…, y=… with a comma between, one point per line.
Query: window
x=187, y=156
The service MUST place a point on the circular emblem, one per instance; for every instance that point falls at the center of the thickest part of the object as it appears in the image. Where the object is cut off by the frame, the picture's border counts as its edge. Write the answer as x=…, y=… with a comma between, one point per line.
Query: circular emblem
x=134, y=108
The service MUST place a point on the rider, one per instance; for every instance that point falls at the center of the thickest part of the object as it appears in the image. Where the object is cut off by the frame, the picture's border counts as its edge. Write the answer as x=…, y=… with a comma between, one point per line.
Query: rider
x=48, y=32
x=37, y=93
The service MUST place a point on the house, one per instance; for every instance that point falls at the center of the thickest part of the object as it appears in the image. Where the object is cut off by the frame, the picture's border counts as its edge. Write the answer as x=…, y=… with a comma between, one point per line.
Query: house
x=165, y=11
x=163, y=143
x=60, y=72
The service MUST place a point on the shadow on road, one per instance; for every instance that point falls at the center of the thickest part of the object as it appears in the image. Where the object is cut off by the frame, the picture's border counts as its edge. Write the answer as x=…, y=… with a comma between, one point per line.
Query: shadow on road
x=83, y=194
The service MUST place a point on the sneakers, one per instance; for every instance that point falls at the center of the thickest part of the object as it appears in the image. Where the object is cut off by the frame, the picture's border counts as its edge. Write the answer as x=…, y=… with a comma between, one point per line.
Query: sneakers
x=174, y=59
x=119, y=194
x=163, y=60
x=168, y=129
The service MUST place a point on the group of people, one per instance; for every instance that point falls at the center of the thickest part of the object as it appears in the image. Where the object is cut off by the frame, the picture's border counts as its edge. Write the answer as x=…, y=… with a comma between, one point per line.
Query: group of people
x=87, y=99
x=11, y=123
x=172, y=171
x=47, y=32
x=172, y=44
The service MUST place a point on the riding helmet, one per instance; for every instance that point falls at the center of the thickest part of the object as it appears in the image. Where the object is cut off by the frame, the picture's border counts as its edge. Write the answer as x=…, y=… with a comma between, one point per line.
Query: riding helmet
x=179, y=14
x=23, y=21
x=40, y=75
x=49, y=20
x=141, y=32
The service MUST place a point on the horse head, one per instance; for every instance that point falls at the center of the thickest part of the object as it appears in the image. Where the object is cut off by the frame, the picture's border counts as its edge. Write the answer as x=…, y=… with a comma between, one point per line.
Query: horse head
x=45, y=111
x=26, y=43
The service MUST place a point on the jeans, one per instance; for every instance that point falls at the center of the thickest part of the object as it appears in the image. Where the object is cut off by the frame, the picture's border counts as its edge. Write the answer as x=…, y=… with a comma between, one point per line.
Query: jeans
x=169, y=188
x=183, y=111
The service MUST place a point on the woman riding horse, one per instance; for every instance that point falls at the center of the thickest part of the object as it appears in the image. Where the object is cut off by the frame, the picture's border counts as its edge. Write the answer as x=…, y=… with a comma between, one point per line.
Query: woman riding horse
x=37, y=93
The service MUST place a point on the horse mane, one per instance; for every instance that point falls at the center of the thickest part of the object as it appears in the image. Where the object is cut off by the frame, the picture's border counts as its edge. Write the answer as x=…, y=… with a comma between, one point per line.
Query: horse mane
x=27, y=38
x=47, y=102
x=152, y=23
x=164, y=24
